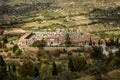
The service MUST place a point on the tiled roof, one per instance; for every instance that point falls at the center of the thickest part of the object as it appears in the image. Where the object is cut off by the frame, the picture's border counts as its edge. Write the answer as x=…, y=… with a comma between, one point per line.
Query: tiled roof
x=54, y=37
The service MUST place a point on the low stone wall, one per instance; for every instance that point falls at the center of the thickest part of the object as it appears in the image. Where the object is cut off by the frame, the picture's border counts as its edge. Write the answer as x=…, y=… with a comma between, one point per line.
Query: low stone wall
x=50, y=48
x=55, y=48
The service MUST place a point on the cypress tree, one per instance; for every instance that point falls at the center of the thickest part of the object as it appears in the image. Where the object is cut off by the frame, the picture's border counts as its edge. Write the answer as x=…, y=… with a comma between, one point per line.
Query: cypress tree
x=117, y=42
x=70, y=65
x=9, y=68
x=54, y=69
x=99, y=42
x=5, y=39
x=90, y=42
x=36, y=70
x=15, y=48
x=112, y=42
x=3, y=72
x=67, y=40
x=13, y=68
x=0, y=44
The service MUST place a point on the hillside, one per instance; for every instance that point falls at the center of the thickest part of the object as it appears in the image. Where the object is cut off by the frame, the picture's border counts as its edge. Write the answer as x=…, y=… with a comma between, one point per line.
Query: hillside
x=83, y=14
x=59, y=39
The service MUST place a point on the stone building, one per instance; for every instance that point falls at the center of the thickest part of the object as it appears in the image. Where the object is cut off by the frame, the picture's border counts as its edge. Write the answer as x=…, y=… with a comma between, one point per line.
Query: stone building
x=54, y=38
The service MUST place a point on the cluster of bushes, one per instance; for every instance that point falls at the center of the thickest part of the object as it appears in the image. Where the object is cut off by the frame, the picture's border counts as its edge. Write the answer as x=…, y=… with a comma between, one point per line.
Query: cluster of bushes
x=107, y=17
x=113, y=42
x=73, y=67
x=16, y=50
x=40, y=43
x=21, y=8
x=76, y=67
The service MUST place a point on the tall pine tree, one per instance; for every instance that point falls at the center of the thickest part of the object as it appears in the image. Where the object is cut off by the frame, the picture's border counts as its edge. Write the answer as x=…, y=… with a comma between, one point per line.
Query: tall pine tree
x=117, y=42
x=71, y=66
x=54, y=69
x=36, y=70
x=13, y=68
x=67, y=40
x=3, y=72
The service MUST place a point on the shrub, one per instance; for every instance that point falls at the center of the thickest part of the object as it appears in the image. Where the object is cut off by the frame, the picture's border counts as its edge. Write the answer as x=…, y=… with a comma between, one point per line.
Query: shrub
x=0, y=44
x=40, y=53
x=18, y=52
x=15, y=48
x=79, y=63
x=11, y=76
x=6, y=49
x=57, y=53
x=26, y=69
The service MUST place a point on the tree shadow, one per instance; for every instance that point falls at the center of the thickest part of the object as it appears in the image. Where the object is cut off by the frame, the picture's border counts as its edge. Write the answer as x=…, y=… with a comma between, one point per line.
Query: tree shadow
x=21, y=9
x=107, y=17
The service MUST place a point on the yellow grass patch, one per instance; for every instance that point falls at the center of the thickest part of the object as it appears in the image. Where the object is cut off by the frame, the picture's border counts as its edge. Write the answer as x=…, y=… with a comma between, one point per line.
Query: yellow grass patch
x=14, y=31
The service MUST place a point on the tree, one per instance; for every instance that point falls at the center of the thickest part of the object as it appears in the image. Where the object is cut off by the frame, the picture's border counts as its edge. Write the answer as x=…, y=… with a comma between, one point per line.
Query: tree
x=90, y=42
x=26, y=69
x=41, y=43
x=13, y=68
x=67, y=40
x=79, y=63
x=11, y=76
x=9, y=68
x=5, y=39
x=18, y=51
x=15, y=48
x=54, y=69
x=36, y=70
x=117, y=42
x=117, y=54
x=71, y=66
x=114, y=62
x=99, y=42
x=3, y=71
x=97, y=52
x=0, y=44
x=69, y=53
x=1, y=32
x=111, y=42
x=56, y=53
x=97, y=69
x=110, y=57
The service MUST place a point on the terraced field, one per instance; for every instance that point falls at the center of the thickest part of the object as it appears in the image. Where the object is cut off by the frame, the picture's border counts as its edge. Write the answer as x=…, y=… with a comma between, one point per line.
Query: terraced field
x=85, y=15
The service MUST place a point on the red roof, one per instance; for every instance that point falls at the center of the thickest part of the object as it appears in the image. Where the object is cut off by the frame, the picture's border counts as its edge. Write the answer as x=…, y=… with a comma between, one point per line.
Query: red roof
x=54, y=37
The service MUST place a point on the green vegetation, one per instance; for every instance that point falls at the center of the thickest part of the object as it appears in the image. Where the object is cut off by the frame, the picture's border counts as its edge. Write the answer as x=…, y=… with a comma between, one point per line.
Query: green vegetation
x=84, y=61
x=16, y=50
x=114, y=33
x=71, y=66
x=3, y=71
x=113, y=42
x=99, y=17
x=97, y=52
x=54, y=69
x=67, y=41
x=27, y=69
x=79, y=63
x=40, y=43
x=60, y=14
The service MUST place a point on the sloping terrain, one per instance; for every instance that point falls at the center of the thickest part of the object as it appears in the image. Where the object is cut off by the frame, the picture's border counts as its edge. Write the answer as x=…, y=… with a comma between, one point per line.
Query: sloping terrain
x=82, y=14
